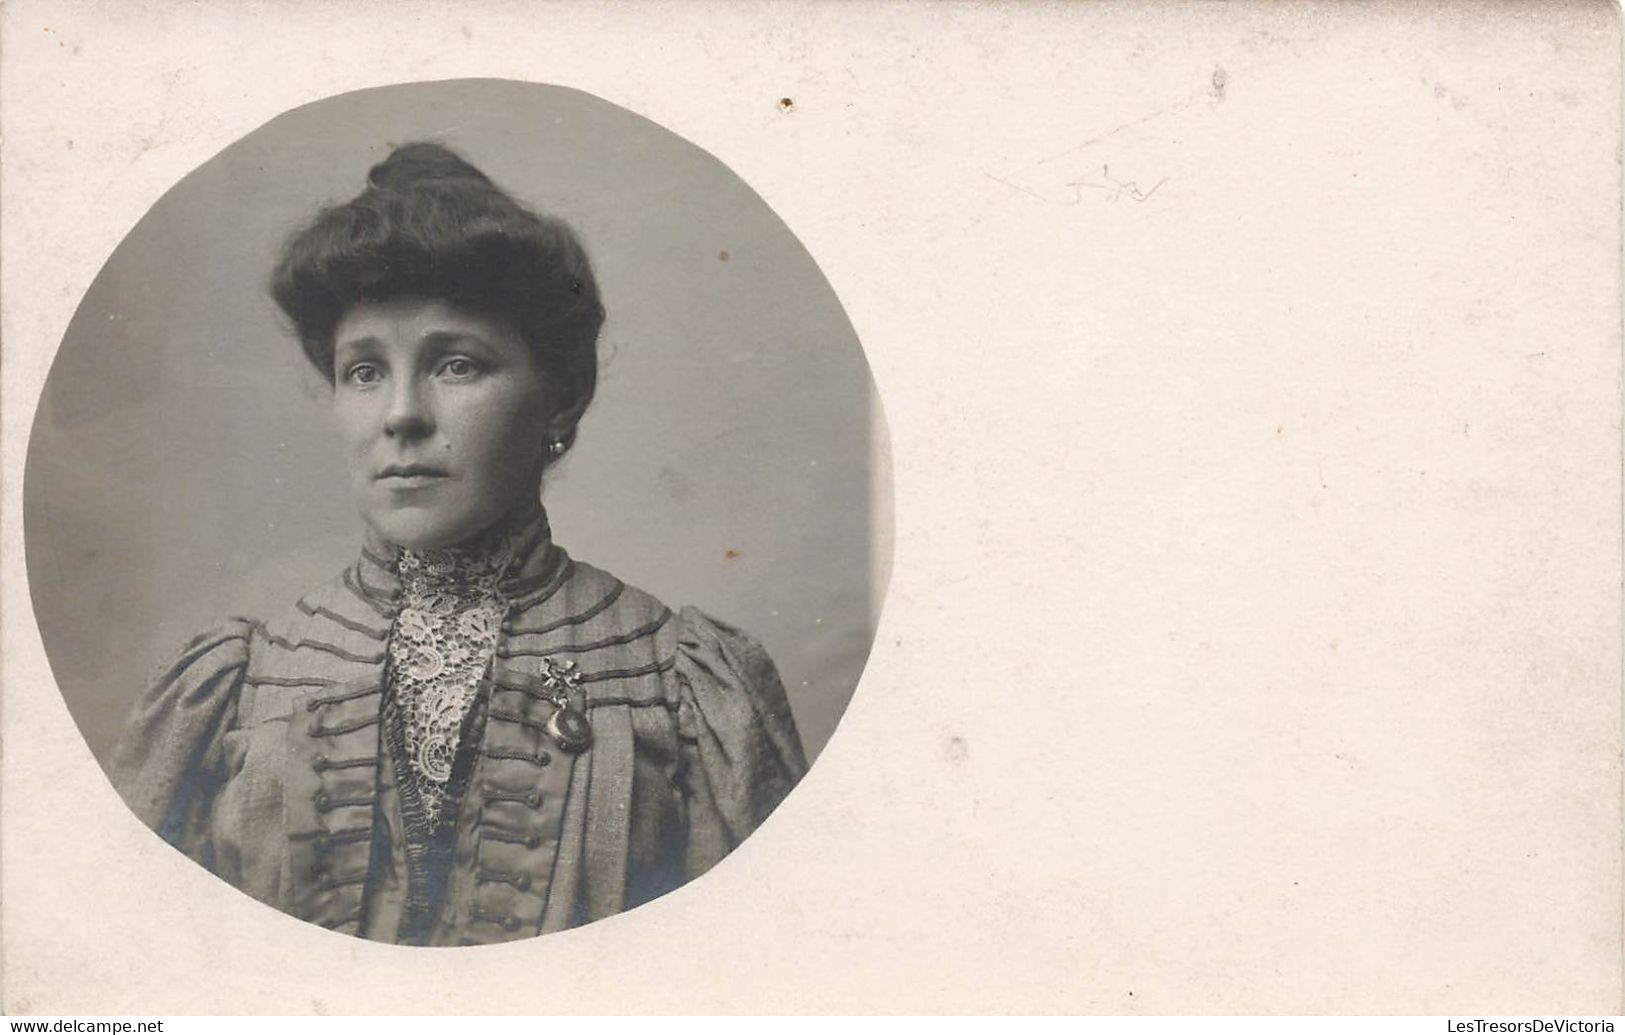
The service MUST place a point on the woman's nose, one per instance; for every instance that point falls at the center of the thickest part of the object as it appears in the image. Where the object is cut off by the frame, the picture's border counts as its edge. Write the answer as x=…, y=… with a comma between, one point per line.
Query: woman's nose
x=409, y=414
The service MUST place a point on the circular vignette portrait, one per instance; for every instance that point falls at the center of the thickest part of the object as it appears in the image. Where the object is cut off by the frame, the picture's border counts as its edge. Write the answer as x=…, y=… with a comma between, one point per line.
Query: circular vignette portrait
x=451, y=515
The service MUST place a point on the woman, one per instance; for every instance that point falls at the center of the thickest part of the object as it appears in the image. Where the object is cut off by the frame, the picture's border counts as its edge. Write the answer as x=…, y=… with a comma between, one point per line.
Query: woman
x=467, y=737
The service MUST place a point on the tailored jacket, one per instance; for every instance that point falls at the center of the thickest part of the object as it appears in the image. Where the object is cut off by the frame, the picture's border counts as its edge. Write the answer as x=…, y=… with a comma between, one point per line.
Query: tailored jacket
x=259, y=752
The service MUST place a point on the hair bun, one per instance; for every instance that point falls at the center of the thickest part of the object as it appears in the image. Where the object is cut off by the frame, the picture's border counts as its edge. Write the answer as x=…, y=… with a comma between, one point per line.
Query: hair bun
x=421, y=162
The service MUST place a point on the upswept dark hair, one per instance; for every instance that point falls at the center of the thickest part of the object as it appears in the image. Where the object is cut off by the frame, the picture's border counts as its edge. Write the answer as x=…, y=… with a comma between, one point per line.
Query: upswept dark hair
x=430, y=225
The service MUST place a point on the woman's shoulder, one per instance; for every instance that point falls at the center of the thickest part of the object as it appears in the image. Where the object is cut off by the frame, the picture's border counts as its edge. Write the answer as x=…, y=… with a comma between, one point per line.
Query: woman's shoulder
x=731, y=708
x=592, y=599
x=339, y=609
x=334, y=634
x=708, y=655
x=187, y=703
x=579, y=592
x=337, y=613
x=212, y=657
x=225, y=638
x=707, y=645
x=598, y=619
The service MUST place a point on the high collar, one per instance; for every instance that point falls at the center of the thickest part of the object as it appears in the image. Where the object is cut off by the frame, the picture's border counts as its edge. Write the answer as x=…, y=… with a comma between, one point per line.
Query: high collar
x=520, y=548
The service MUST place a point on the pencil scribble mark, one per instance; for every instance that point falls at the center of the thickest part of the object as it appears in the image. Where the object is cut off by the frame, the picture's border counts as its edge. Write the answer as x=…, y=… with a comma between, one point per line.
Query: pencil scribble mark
x=1113, y=187
x=1116, y=188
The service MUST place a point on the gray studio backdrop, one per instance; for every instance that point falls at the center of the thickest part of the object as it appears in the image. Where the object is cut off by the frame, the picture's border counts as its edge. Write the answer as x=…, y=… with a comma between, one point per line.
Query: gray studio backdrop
x=182, y=466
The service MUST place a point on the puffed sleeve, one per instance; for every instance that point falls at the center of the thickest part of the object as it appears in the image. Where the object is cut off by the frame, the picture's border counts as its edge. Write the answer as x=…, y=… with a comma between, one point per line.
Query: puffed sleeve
x=169, y=764
x=734, y=723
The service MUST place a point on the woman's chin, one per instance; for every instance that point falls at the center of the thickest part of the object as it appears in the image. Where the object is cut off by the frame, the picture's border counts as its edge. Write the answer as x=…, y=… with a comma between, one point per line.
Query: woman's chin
x=415, y=529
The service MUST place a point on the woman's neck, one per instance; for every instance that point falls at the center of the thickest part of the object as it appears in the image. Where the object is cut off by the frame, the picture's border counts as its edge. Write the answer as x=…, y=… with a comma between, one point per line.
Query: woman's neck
x=500, y=552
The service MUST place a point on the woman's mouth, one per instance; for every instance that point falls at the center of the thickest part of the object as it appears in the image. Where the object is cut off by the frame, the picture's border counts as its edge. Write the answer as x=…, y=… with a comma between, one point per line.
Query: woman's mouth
x=411, y=476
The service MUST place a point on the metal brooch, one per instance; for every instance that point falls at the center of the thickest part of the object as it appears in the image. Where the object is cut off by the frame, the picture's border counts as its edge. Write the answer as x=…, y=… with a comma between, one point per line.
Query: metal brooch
x=568, y=726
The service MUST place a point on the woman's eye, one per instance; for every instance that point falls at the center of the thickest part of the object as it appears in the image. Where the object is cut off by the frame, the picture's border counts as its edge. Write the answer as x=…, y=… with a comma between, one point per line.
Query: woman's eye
x=460, y=366
x=363, y=374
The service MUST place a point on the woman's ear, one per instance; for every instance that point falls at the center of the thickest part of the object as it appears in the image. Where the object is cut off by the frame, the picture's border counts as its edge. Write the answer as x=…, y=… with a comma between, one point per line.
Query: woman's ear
x=562, y=424
x=565, y=414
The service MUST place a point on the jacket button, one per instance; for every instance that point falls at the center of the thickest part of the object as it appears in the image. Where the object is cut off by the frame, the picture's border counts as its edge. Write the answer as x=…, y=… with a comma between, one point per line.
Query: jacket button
x=533, y=799
x=532, y=841
x=510, y=923
x=523, y=884
x=326, y=882
x=544, y=759
x=322, y=799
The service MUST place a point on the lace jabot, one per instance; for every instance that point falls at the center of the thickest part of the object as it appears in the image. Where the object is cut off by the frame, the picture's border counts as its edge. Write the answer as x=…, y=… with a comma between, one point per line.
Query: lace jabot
x=451, y=607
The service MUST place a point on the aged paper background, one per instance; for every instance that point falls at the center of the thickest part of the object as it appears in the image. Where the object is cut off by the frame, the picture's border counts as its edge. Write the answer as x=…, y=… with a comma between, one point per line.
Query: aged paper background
x=1253, y=376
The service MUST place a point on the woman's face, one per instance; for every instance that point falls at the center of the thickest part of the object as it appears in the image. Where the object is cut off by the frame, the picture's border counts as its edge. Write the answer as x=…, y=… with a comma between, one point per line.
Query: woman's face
x=443, y=416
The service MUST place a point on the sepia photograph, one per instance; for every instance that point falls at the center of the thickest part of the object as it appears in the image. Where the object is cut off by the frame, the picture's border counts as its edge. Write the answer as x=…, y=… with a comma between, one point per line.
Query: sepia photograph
x=371, y=316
